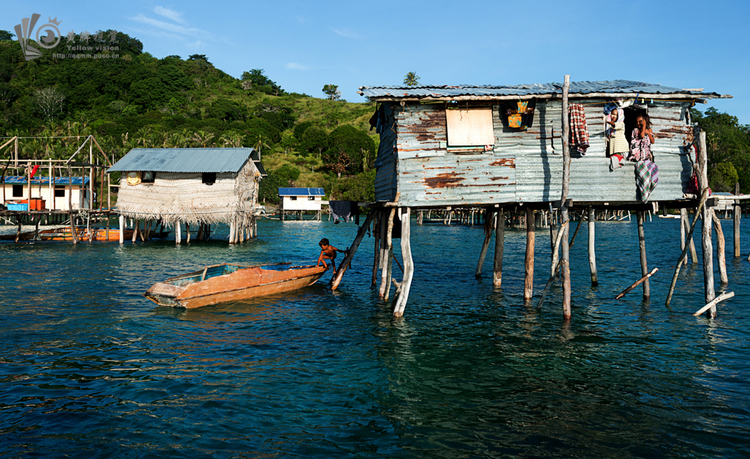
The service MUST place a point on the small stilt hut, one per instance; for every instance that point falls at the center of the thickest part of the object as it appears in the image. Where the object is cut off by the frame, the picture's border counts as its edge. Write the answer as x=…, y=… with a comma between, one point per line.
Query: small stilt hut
x=528, y=147
x=190, y=186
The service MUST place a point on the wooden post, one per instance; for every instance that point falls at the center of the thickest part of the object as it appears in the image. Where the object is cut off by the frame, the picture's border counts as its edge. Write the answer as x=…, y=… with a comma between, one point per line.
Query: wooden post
x=708, y=261
x=405, y=286
x=592, y=247
x=336, y=280
x=683, y=256
x=737, y=216
x=386, y=255
x=187, y=233
x=497, y=271
x=683, y=229
x=488, y=226
x=528, y=285
x=177, y=232
x=690, y=242
x=122, y=229
x=376, y=255
x=565, y=259
x=640, y=216
x=721, y=255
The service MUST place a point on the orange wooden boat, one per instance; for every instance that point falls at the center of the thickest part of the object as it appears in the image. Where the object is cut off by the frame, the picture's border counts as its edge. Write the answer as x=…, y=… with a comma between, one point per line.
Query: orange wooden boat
x=231, y=282
x=96, y=234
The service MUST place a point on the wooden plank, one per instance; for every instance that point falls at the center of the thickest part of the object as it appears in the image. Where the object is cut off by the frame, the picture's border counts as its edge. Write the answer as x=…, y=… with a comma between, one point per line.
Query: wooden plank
x=714, y=302
x=637, y=283
x=352, y=250
x=721, y=256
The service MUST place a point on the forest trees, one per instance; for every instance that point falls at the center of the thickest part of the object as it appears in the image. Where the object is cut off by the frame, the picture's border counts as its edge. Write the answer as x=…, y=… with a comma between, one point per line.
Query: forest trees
x=49, y=102
x=728, y=145
x=411, y=79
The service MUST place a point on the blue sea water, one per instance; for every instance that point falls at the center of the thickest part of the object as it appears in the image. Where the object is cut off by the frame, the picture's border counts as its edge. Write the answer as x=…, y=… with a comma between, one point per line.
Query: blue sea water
x=91, y=368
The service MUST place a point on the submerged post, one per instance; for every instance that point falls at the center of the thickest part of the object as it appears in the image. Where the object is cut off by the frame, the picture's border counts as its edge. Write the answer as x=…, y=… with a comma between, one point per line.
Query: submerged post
x=592, y=247
x=565, y=259
x=485, y=245
x=737, y=216
x=528, y=285
x=497, y=271
x=640, y=216
x=122, y=229
x=721, y=255
x=405, y=286
x=708, y=263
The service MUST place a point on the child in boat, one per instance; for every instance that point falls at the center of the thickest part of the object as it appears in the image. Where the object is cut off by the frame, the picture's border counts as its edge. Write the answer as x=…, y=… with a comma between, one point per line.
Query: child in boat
x=328, y=252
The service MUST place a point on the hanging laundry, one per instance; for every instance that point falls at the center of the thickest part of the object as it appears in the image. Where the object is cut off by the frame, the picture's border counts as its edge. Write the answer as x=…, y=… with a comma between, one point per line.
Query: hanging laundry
x=340, y=209
x=646, y=177
x=616, y=162
x=579, y=132
x=520, y=114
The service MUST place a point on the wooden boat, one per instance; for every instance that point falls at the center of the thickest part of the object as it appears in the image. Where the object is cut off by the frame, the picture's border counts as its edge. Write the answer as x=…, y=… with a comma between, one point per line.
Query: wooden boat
x=231, y=282
x=96, y=234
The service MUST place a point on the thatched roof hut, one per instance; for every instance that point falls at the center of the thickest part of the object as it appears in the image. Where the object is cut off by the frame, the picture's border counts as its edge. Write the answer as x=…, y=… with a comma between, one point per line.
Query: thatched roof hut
x=190, y=185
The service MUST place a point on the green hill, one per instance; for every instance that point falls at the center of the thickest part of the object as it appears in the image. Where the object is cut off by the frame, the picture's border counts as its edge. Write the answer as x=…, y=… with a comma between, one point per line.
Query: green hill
x=136, y=100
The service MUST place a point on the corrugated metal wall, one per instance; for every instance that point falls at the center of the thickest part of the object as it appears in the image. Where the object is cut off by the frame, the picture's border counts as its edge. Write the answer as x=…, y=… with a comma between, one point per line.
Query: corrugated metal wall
x=522, y=167
x=385, y=163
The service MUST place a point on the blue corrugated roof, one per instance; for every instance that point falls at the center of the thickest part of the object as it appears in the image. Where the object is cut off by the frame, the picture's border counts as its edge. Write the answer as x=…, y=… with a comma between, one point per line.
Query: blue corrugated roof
x=576, y=87
x=301, y=192
x=21, y=180
x=183, y=160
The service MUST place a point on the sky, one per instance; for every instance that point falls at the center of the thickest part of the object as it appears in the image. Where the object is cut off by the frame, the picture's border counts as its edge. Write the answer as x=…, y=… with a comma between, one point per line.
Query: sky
x=304, y=45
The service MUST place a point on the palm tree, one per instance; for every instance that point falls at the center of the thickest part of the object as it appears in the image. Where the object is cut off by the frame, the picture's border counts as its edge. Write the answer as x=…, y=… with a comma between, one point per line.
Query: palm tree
x=202, y=138
x=260, y=144
x=411, y=79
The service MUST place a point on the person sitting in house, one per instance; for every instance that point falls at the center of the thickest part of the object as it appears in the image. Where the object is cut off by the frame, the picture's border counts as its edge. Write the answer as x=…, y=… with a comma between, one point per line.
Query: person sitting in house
x=328, y=252
x=641, y=140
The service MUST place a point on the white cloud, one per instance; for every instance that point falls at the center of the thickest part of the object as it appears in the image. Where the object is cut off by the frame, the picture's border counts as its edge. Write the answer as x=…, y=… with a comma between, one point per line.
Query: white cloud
x=176, y=16
x=296, y=66
x=169, y=27
x=348, y=33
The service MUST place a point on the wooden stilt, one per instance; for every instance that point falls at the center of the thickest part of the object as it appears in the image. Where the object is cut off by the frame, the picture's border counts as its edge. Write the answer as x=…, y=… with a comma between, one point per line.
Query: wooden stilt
x=177, y=232
x=187, y=233
x=683, y=256
x=136, y=229
x=336, y=280
x=555, y=263
x=708, y=262
x=497, y=271
x=683, y=230
x=405, y=286
x=721, y=256
x=565, y=258
x=376, y=256
x=488, y=226
x=528, y=285
x=640, y=216
x=122, y=229
x=737, y=216
x=199, y=236
x=386, y=257
x=592, y=248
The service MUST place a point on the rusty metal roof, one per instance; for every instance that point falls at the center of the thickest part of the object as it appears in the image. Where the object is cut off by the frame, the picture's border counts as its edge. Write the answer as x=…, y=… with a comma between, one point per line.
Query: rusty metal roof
x=184, y=160
x=576, y=87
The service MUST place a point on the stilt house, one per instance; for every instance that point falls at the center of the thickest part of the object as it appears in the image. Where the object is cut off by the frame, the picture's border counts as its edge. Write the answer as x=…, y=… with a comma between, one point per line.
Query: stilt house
x=301, y=200
x=46, y=194
x=192, y=186
x=537, y=146
x=483, y=145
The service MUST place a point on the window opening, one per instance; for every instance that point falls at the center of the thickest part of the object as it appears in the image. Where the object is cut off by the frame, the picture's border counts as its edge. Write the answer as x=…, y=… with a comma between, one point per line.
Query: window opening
x=17, y=191
x=209, y=178
x=148, y=176
x=470, y=127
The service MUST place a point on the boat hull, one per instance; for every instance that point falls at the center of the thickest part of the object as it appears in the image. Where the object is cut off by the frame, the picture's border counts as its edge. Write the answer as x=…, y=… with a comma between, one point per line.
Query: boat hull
x=242, y=284
x=98, y=234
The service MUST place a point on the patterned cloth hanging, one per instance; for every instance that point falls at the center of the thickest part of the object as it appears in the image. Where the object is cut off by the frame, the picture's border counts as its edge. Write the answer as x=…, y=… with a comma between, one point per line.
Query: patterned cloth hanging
x=579, y=132
x=646, y=177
